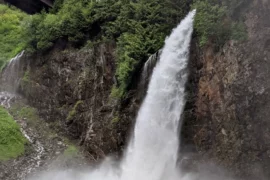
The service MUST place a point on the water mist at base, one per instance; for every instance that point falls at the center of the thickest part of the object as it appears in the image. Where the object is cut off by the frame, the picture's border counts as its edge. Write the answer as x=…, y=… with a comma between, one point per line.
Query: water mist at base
x=152, y=152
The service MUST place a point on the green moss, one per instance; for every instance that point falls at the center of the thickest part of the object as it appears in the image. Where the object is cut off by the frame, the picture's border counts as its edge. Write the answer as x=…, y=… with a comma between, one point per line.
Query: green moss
x=71, y=151
x=115, y=119
x=26, y=76
x=117, y=92
x=73, y=112
x=11, y=139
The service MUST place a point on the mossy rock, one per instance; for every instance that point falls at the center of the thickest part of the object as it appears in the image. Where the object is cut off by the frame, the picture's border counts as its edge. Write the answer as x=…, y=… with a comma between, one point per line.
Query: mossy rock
x=71, y=151
x=73, y=112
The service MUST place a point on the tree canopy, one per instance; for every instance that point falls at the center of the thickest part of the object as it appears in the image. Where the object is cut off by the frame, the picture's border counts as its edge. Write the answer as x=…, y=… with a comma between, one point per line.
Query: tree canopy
x=138, y=27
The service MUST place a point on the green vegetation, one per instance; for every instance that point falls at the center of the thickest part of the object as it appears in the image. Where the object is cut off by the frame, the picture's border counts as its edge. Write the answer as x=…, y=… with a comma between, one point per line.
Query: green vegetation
x=115, y=119
x=213, y=23
x=209, y=22
x=239, y=31
x=73, y=112
x=26, y=77
x=116, y=92
x=71, y=151
x=138, y=27
x=12, y=32
x=11, y=139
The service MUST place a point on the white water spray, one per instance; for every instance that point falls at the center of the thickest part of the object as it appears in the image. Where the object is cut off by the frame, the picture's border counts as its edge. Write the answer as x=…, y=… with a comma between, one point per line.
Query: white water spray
x=152, y=152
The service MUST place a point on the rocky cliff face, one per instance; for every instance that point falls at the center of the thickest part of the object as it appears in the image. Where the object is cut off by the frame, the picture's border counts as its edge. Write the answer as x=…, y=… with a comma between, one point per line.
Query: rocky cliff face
x=232, y=104
x=226, y=116
x=71, y=89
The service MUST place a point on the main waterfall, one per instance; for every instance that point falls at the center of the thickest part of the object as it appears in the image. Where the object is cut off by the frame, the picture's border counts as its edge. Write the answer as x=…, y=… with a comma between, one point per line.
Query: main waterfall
x=152, y=152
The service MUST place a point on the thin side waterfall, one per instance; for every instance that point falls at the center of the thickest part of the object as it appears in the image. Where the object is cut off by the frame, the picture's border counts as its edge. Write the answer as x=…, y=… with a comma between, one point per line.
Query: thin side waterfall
x=9, y=82
x=147, y=72
x=10, y=77
x=152, y=152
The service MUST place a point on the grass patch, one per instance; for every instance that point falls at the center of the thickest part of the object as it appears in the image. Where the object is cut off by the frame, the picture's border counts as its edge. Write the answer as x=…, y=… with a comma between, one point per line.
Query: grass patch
x=11, y=139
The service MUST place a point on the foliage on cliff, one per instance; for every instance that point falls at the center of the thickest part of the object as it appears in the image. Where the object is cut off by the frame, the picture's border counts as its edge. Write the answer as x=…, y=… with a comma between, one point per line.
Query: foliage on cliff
x=138, y=27
x=12, y=32
x=11, y=139
x=214, y=22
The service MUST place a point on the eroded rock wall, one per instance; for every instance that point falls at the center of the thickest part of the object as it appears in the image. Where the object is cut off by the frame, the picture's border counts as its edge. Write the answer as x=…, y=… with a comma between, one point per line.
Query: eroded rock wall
x=71, y=90
x=232, y=104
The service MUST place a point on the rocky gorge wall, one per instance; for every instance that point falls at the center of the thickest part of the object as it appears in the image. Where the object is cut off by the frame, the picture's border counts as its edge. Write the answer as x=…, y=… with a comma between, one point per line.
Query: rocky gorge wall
x=71, y=89
x=231, y=126
x=226, y=116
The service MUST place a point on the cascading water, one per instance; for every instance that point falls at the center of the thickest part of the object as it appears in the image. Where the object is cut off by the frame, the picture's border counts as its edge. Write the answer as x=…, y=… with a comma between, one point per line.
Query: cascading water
x=10, y=77
x=152, y=152
x=9, y=82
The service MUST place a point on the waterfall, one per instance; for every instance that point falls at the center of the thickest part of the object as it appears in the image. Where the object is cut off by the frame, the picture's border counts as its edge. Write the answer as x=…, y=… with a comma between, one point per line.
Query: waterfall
x=9, y=80
x=10, y=76
x=152, y=152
